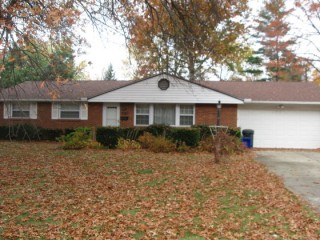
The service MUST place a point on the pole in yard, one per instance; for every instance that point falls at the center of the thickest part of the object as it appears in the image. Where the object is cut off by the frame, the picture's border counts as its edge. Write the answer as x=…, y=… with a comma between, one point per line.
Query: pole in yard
x=218, y=112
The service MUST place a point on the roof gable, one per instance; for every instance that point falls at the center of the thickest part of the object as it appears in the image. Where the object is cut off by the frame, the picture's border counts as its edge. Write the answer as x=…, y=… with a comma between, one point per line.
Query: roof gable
x=179, y=91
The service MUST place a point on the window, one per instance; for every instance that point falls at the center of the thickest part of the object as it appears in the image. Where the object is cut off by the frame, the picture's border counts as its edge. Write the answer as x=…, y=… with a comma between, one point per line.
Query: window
x=70, y=110
x=165, y=114
x=142, y=114
x=186, y=115
x=168, y=114
x=20, y=110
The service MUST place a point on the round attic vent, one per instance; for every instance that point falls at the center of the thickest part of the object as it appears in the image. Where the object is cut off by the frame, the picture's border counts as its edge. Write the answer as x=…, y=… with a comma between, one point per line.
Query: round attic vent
x=163, y=84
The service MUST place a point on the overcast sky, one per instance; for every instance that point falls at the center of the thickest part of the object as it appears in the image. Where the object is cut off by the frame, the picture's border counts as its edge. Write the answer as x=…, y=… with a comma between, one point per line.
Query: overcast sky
x=108, y=47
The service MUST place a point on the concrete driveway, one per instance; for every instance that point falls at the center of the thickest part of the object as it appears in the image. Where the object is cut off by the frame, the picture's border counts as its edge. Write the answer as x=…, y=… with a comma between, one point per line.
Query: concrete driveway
x=300, y=171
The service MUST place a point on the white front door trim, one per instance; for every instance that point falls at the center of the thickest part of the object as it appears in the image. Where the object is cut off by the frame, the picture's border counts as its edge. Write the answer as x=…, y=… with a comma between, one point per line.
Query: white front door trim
x=105, y=120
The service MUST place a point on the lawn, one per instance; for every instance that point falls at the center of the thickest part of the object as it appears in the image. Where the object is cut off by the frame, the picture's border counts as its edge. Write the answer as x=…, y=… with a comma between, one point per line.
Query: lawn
x=50, y=193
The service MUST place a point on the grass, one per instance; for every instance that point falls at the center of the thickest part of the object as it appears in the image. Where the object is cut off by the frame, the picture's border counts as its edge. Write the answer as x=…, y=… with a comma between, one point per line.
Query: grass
x=46, y=193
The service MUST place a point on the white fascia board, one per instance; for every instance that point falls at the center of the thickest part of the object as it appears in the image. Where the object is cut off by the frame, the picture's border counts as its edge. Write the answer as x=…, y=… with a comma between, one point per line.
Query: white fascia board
x=43, y=100
x=283, y=102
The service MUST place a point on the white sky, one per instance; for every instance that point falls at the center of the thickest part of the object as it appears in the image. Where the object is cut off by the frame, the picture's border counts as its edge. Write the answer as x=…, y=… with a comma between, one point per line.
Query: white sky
x=107, y=47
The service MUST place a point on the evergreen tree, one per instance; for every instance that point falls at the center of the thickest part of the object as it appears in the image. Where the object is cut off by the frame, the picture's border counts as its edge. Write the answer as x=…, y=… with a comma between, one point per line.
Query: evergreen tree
x=50, y=63
x=282, y=63
x=109, y=74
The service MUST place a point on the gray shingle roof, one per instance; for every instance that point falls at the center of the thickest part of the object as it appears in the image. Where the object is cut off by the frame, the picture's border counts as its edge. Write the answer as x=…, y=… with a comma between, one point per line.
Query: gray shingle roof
x=76, y=90
x=49, y=90
x=269, y=91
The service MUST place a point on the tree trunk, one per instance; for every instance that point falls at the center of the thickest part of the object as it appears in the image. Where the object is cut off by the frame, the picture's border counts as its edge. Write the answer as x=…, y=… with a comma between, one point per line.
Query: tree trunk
x=191, y=67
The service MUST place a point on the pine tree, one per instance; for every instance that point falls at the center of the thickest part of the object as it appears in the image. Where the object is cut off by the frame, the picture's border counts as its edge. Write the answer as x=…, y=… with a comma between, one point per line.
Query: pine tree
x=281, y=63
x=109, y=74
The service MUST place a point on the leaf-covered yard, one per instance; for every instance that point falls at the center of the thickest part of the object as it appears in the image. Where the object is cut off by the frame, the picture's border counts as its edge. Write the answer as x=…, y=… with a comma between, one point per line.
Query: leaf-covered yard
x=51, y=193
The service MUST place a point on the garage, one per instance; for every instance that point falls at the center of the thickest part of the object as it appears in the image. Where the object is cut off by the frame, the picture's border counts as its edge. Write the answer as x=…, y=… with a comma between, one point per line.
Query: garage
x=282, y=125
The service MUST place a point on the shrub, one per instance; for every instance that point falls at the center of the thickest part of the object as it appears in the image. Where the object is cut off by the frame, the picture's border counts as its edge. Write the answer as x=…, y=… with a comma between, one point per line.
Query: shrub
x=108, y=136
x=127, y=144
x=24, y=132
x=225, y=145
x=189, y=136
x=158, y=130
x=205, y=131
x=80, y=138
x=4, y=132
x=222, y=145
x=146, y=140
x=50, y=134
x=161, y=144
x=131, y=133
x=206, y=144
x=156, y=144
x=236, y=132
x=183, y=147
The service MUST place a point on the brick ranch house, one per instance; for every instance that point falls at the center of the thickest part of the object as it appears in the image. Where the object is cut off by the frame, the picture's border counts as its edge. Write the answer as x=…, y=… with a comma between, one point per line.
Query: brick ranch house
x=283, y=115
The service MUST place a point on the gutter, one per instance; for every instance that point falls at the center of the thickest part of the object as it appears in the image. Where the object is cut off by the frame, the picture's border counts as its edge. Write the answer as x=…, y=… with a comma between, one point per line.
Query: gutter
x=249, y=101
x=44, y=100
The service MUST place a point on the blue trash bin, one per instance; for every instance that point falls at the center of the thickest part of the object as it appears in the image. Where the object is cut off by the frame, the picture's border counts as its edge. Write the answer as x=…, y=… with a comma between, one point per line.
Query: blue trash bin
x=247, y=142
x=248, y=134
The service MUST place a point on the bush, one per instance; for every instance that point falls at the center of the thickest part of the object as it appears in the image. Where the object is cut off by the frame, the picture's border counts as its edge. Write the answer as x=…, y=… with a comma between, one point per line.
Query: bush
x=189, y=136
x=80, y=138
x=183, y=147
x=4, y=132
x=225, y=145
x=108, y=136
x=50, y=134
x=205, y=131
x=158, y=130
x=127, y=144
x=24, y=132
x=131, y=133
x=156, y=144
x=161, y=144
x=146, y=140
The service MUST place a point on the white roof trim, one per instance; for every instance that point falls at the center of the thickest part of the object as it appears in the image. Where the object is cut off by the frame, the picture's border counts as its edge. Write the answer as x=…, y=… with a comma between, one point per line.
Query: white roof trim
x=282, y=102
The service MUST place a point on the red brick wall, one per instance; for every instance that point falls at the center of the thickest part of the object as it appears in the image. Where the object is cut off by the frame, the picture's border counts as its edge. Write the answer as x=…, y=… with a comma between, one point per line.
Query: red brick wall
x=44, y=118
x=126, y=114
x=206, y=114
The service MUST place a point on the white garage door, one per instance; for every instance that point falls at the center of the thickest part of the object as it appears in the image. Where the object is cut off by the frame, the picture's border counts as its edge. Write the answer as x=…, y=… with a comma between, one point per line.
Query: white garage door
x=293, y=126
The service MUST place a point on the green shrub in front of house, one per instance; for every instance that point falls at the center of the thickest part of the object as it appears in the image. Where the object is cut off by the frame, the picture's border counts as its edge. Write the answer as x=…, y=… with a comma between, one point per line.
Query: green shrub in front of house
x=50, y=134
x=4, y=133
x=79, y=139
x=19, y=132
x=206, y=132
x=188, y=136
x=159, y=130
x=108, y=136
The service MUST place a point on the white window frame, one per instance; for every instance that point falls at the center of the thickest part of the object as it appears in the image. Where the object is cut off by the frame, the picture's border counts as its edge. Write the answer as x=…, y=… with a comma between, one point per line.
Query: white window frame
x=149, y=114
x=187, y=114
x=57, y=109
x=76, y=109
x=177, y=115
x=11, y=107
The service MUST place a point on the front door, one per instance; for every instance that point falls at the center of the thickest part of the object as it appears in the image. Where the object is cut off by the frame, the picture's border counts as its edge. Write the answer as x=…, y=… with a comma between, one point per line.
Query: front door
x=112, y=115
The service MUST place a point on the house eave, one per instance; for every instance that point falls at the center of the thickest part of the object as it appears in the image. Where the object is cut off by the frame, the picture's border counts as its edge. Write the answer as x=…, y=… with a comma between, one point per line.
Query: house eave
x=282, y=102
x=43, y=100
